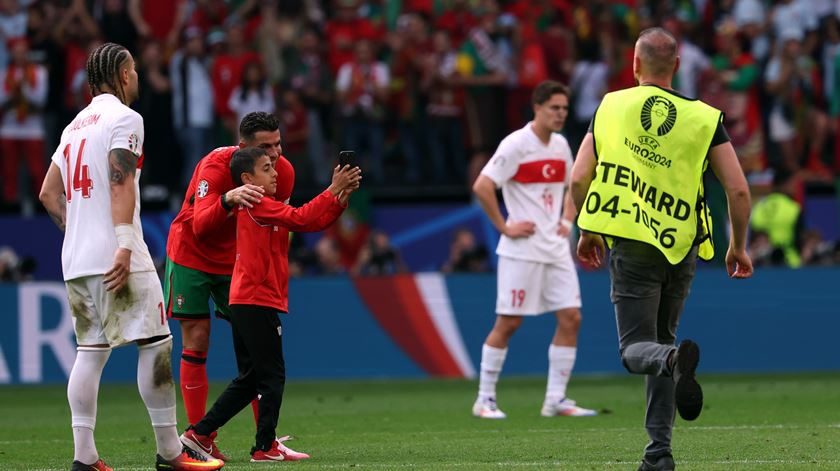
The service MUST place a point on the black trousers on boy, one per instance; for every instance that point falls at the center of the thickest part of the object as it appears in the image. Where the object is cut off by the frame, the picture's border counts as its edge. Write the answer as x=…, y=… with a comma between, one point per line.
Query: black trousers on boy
x=258, y=344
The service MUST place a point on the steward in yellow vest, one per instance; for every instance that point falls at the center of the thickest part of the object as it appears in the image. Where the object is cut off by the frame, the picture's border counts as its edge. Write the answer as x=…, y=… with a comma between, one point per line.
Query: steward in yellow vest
x=651, y=147
x=637, y=182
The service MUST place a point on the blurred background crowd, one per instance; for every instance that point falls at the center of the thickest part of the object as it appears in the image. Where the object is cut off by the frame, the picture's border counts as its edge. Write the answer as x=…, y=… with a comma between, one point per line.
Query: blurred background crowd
x=423, y=91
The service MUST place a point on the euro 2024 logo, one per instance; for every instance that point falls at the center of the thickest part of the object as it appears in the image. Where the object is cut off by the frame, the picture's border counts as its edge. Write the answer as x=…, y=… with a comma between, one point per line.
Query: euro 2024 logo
x=658, y=115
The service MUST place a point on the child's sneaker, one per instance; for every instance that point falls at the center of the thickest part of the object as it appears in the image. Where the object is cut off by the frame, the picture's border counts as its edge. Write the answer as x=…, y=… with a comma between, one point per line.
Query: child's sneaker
x=278, y=452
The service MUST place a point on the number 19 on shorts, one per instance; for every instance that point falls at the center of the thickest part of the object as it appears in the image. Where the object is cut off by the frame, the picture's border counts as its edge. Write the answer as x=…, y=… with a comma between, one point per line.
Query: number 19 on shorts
x=517, y=297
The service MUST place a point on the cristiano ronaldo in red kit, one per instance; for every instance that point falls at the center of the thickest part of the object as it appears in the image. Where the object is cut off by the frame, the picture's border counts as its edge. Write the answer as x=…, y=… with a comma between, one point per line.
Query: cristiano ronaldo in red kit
x=201, y=249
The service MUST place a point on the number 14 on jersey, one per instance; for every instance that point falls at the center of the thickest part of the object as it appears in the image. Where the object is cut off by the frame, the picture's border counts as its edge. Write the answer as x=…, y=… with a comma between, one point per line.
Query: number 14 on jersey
x=81, y=175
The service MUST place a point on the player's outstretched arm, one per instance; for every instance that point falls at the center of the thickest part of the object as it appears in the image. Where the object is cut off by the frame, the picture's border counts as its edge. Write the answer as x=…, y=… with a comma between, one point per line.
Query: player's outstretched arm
x=122, y=167
x=53, y=198
x=304, y=218
x=725, y=164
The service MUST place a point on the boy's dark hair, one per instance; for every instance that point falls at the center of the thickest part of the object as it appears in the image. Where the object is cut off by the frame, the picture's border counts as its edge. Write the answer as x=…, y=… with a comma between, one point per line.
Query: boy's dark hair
x=546, y=89
x=243, y=161
x=257, y=121
x=102, y=68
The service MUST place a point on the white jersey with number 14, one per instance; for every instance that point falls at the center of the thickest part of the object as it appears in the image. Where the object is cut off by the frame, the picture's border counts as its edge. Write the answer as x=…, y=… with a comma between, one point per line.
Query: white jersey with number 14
x=82, y=156
x=533, y=177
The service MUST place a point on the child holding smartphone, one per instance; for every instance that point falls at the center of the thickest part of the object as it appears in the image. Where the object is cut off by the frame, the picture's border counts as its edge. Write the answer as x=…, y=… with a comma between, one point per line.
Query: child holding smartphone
x=257, y=297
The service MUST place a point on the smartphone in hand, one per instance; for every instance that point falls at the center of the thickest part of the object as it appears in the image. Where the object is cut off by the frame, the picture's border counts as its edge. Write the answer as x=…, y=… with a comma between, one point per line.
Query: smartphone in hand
x=347, y=157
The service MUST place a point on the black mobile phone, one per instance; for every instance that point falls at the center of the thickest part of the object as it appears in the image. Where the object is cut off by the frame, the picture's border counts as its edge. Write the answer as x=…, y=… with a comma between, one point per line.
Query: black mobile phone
x=346, y=157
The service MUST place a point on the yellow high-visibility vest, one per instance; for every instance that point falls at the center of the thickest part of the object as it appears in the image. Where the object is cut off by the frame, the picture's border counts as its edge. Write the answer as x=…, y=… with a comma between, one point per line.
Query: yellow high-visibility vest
x=651, y=148
x=777, y=214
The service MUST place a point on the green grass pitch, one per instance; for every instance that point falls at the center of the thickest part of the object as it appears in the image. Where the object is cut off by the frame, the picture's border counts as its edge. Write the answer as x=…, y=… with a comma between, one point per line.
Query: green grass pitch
x=750, y=422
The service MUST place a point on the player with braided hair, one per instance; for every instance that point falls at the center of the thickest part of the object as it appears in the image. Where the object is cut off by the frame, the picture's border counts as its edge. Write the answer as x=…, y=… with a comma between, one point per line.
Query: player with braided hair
x=91, y=191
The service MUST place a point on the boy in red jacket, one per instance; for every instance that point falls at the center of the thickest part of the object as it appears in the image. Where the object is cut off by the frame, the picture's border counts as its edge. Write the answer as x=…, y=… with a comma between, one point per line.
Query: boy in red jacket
x=257, y=296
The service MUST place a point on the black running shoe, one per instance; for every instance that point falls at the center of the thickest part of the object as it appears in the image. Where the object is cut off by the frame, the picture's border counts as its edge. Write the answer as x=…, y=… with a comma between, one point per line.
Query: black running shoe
x=661, y=463
x=688, y=394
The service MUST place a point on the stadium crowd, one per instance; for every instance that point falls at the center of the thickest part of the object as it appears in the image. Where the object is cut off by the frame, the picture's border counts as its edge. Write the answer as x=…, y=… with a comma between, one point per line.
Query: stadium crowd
x=423, y=91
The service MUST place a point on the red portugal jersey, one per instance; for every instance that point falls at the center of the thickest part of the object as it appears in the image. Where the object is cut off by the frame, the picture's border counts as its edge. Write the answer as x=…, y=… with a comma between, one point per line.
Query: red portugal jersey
x=203, y=234
x=261, y=273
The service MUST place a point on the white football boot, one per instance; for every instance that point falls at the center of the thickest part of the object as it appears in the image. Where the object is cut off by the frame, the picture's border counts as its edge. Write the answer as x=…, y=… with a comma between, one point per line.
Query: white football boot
x=486, y=408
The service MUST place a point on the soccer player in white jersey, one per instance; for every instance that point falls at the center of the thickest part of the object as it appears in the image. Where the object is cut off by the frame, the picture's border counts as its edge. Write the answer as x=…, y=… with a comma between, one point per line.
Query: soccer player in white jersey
x=91, y=192
x=535, y=272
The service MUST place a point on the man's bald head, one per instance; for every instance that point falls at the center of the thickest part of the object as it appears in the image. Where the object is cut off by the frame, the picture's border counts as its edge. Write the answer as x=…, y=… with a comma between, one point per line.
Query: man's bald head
x=656, y=50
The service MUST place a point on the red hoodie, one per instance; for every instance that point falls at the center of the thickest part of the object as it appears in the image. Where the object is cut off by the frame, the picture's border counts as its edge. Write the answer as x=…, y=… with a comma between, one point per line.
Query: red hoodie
x=261, y=273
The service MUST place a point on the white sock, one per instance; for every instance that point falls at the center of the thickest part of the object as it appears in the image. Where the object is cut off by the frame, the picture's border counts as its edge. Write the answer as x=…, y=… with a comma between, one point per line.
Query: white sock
x=492, y=360
x=82, y=393
x=157, y=388
x=561, y=360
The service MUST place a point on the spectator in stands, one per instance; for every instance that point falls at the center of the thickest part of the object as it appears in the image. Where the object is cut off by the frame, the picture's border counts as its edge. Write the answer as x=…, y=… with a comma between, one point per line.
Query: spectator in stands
x=294, y=123
x=795, y=18
x=162, y=164
x=589, y=84
x=254, y=93
x=345, y=30
x=693, y=62
x=407, y=46
x=9, y=264
x=779, y=215
x=226, y=71
x=458, y=20
x=161, y=20
x=831, y=71
x=192, y=100
x=362, y=87
x=350, y=234
x=45, y=49
x=750, y=17
x=379, y=257
x=12, y=26
x=466, y=254
x=791, y=79
x=14, y=268
x=116, y=24
x=309, y=75
x=732, y=88
x=23, y=94
x=484, y=70
x=78, y=34
x=445, y=100
x=816, y=250
x=329, y=259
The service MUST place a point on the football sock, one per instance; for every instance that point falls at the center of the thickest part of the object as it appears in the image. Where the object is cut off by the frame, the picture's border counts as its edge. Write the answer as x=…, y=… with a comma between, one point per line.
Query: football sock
x=157, y=388
x=561, y=360
x=255, y=406
x=492, y=360
x=82, y=393
x=194, y=383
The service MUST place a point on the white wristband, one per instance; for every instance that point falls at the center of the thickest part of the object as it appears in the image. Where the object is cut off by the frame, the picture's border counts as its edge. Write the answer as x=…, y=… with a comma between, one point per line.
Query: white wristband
x=125, y=236
x=566, y=223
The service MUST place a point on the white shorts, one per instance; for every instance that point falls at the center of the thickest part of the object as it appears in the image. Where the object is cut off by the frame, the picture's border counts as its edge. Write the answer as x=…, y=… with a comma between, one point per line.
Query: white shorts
x=528, y=288
x=104, y=317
